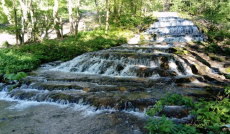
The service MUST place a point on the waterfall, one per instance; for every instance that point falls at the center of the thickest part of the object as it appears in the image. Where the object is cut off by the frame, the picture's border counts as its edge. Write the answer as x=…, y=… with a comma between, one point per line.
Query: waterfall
x=175, y=29
x=127, y=77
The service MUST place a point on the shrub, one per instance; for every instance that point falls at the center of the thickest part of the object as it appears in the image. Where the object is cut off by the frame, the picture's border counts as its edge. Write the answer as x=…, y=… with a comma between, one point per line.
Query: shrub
x=29, y=56
x=167, y=126
x=170, y=99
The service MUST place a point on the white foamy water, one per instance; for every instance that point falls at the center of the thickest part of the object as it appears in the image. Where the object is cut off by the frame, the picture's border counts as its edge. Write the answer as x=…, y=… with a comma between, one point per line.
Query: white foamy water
x=20, y=105
x=173, y=66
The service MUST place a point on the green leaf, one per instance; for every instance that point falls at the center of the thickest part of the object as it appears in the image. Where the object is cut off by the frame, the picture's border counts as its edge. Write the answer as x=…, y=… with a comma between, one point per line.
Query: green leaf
x=7, y=71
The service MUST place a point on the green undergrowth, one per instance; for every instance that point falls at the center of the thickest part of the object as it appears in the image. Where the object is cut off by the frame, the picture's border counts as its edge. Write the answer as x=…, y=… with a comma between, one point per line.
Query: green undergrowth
x=211, y=116
x=30, y=56
x=136, y=23
x=165, y=126
x=170, y=99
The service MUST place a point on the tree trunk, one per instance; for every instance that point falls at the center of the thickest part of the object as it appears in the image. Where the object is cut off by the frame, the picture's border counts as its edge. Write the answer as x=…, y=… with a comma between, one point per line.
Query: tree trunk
x=98, y=12
x=23, y=30
x=62, y=34
x=145, y=10
x=16, y=23
x=6, y=11
x=33, y=21
x=115, y=9
x=107, y=17
x=131, y=7
x=24, y=18
x=46, y=27
x=141, y=3
x=71, y=17
x=77, y=19
x=120, y=8
x=135, y=8
x=47, y=24
x=55, y=14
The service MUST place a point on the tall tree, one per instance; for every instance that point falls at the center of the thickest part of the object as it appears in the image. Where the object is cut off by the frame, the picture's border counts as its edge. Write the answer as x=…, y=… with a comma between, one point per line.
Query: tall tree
x=24, y=18
x=55, y=16
x=115, y=10
x=98, y=11
x=77, y=19
x=107, y=16
x=33, y=21
x=71, y=17
x=16, y=22
x=6, y=11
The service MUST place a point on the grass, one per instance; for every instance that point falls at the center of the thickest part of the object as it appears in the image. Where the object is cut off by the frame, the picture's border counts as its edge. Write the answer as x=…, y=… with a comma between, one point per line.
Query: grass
x=30, y=56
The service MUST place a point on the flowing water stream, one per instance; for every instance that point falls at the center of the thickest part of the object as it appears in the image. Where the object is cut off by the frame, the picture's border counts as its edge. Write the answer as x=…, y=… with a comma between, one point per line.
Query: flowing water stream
x=105, y=91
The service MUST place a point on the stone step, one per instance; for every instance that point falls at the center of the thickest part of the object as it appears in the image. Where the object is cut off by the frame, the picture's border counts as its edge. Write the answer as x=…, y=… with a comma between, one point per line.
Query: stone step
x=130, y=101
x=174, y=30
x=165, y=23
x=169, y=18
x=154, y=49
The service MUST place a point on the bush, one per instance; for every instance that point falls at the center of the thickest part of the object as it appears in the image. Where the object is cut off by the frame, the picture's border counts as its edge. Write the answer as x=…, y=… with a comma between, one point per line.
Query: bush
x=211, y=115
x=5, y=44
x=167, y=126
x=29, y=56
x=170, y=99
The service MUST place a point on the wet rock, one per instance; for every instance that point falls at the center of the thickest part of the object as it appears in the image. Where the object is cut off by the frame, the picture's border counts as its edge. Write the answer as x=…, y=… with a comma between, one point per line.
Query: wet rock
x=165, y=73
x=73, y=69
x=185, y=79
x=86, y=89
x=175, y=111
x=1, y=77
x=122, y=89
x=119, y=67
x=227, y=65
x=194, y=69
x=164, y=63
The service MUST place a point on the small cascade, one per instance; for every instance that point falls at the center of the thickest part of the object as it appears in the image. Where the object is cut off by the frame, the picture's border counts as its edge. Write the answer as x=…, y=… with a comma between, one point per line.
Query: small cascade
x=174, y=29
x=169, y=23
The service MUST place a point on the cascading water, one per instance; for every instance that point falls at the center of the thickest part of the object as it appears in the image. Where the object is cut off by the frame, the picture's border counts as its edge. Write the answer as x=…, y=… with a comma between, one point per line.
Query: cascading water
x=175, y=29
x=125, y=78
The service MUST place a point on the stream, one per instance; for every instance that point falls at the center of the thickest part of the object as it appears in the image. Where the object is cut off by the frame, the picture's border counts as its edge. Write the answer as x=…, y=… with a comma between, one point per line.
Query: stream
x=106, y=91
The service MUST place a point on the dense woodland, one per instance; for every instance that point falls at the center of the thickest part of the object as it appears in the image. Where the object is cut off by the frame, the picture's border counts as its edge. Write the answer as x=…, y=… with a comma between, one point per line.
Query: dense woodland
x=117, y=21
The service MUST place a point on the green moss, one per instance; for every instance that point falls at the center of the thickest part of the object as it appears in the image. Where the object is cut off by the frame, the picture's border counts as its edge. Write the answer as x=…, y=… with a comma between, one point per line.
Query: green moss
x=227, y=70
x=181, y=52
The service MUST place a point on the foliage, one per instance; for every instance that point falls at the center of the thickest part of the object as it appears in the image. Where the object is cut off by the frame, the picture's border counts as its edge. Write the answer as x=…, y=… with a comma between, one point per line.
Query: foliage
x=30, y=56
x=13, y=76
x=213, y=48
x=212, y=114
x=5, y=44
x=166, y=126
x=170, y=99
x=127, y=21
x=228, y=76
